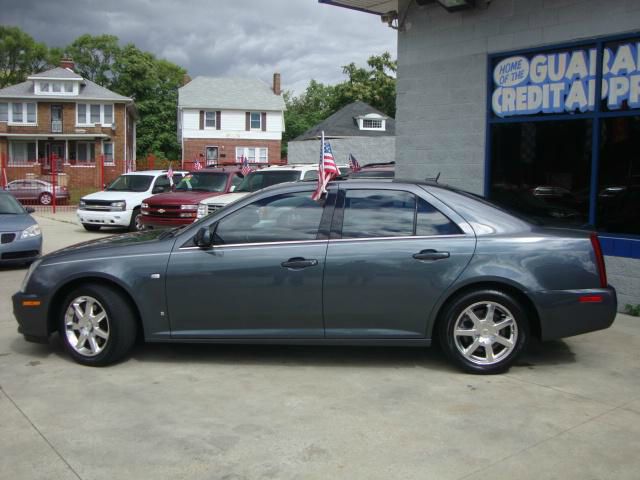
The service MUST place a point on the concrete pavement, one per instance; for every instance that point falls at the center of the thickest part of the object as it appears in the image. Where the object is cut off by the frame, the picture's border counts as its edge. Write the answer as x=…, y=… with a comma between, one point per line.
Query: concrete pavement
x=569, y=410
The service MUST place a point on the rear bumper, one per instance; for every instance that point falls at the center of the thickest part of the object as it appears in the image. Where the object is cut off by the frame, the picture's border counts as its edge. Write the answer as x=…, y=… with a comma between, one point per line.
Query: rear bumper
x=571, y=312
x=32, y=320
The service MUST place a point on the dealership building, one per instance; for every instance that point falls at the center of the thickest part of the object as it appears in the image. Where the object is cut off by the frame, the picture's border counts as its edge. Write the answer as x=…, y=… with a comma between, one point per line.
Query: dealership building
x=532, y=103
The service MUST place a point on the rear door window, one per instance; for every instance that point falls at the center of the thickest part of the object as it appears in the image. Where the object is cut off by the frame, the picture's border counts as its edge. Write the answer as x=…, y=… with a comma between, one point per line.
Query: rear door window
x=430, y=221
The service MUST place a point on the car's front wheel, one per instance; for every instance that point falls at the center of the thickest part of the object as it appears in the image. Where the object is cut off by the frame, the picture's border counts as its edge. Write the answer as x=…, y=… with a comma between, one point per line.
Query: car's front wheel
x=484, y=331
x=97, y=325
x=136, y=221
x=45, y=198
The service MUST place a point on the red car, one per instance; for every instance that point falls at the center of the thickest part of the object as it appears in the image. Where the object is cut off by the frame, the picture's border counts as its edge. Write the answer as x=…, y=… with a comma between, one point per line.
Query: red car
x=180, y=206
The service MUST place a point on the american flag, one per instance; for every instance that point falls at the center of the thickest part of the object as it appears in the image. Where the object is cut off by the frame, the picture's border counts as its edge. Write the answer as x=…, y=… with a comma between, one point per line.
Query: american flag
x=246, y=169
x=197, y=165
x=354, y=165
x=170, y=174
x=327, y=169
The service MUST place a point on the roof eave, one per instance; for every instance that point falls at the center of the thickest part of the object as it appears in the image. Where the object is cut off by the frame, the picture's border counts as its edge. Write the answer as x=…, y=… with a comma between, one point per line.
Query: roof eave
x=337, y=3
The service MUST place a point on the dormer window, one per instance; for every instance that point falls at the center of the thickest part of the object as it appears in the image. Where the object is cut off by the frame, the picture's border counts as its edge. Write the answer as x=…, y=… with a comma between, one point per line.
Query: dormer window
x=56, y=87
x=372, y=121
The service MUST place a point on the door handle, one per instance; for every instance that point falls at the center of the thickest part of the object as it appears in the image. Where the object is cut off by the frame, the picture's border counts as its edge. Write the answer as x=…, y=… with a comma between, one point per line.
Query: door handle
x=299, y=262
x=430, y=255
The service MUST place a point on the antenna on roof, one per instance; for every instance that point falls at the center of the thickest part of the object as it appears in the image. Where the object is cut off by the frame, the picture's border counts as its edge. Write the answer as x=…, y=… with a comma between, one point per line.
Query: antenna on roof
x=433, y=179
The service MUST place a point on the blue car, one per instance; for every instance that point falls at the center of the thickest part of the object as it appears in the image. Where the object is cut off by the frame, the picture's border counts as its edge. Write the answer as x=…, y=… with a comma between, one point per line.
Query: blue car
x=20, y=236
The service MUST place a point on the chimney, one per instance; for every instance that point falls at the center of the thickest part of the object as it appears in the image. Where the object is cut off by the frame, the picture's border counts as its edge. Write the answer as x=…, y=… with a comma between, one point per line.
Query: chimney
x=66, y=62
x=276, y=84
x=185, y=79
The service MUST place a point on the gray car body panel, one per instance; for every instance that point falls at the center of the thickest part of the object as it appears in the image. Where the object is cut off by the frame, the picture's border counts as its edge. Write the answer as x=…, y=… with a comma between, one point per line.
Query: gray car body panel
x=175, y=291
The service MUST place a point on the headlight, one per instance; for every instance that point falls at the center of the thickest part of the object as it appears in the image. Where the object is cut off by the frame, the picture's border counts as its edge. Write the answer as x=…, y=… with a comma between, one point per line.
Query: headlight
x=145, y=205
x=189, y=207
x=120, y=205
x=202, y=210
x=82, y=204
x=27, y=277
x=30, y=232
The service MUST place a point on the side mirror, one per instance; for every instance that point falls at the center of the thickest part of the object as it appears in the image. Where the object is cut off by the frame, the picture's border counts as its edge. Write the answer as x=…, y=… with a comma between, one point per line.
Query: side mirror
x=204, y=238
x=30, y=210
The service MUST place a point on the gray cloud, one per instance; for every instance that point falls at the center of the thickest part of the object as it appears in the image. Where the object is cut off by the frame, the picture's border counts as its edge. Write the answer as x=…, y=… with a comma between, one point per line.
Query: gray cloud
x=302, y=39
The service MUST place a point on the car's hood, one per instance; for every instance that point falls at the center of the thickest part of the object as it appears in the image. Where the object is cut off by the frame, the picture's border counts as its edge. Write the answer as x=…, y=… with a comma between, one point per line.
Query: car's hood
x=175, y=198
x=225, y=199
x=107, y=195
x=112, y=242
x=15, y=223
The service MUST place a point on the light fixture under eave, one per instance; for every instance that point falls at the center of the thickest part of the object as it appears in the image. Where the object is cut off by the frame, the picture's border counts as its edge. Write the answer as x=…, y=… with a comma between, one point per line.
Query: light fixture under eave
x=455, y=5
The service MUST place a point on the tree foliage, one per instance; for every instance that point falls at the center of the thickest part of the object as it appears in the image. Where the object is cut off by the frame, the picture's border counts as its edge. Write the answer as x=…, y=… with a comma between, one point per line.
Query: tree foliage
x=20, y=56
x=375, y=85
x=94, y=57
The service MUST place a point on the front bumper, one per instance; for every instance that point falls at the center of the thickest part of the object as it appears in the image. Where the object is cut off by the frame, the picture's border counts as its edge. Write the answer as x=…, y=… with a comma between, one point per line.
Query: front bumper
x=20, y=251
x=32, y=320
x=572, y=312
x=159, y=222
x=105, y=219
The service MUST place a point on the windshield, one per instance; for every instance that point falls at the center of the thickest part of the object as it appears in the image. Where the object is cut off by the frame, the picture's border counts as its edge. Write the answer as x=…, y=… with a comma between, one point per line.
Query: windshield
x=203, y=182
x=10, y=206
x=131, y=183
x=259, y=180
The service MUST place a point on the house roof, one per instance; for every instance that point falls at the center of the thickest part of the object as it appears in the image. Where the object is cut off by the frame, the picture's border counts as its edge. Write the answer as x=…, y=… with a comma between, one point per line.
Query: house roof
x=88, y=89
x=344, y=123
x=229, y=93
x=58, y=72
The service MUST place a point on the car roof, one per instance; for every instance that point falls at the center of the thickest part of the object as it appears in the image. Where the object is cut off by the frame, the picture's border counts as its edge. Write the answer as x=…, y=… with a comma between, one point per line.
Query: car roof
x=226, y=168
x=154, y=172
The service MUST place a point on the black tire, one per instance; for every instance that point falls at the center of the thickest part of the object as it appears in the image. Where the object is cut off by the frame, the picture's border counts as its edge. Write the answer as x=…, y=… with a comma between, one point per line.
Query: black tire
x=91, y=228
x=486, y=350
x=120, y=325
x=45, y=198
x=135, y=225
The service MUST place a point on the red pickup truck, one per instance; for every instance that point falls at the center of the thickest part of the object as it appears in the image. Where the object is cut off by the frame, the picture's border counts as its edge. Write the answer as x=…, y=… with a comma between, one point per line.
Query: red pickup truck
x=180, y=206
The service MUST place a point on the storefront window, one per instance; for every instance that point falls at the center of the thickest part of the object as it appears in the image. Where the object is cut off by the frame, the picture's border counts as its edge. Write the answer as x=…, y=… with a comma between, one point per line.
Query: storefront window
x=542, y=170
x=619, y=176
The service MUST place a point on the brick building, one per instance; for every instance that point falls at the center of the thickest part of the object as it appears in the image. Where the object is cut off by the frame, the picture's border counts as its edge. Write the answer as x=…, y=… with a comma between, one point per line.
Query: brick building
x=222, y=119
x=57, y=121
x=499, y=97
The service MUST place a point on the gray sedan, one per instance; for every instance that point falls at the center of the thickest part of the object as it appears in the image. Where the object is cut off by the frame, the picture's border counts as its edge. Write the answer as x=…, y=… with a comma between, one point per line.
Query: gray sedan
x=373, y=263
x=20, y=237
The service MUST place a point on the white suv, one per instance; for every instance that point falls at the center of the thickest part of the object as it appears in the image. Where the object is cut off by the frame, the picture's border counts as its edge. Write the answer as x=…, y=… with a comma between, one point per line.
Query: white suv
x=261, y=179
x=118, y=205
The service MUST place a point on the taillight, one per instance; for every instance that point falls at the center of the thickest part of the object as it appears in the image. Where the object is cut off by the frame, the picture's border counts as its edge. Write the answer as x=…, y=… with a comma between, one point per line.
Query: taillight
x=597, y=250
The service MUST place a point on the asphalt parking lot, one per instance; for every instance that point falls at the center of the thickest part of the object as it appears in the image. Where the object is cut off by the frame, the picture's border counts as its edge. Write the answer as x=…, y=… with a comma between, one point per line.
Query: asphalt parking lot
x=570, y=409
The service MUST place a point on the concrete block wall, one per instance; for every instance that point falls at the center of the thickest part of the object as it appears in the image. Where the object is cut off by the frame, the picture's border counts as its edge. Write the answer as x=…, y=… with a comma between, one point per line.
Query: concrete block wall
x=365, y=149
x=442, y=84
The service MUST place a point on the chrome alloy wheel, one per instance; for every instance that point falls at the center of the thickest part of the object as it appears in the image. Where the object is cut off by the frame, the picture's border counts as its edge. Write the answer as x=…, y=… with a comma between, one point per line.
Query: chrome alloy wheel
x=86, y=326
x=485, y=333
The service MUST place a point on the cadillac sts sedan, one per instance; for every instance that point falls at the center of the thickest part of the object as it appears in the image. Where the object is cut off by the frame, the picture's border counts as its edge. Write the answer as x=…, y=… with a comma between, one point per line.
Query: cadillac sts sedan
x=375, y=262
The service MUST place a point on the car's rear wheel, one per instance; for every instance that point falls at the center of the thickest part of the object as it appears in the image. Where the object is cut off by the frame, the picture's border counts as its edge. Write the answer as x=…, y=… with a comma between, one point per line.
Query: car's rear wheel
x=91, y=228
x=45, y=198
x=97, y=325
x=136, y=221
x=484, y=331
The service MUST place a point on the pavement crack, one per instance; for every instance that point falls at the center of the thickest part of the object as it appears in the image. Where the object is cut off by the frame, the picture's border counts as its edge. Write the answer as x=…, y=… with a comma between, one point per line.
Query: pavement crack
x=41, y=434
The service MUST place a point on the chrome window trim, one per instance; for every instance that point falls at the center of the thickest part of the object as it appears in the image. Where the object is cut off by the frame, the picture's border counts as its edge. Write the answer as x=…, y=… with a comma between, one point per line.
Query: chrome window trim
x=336, y=240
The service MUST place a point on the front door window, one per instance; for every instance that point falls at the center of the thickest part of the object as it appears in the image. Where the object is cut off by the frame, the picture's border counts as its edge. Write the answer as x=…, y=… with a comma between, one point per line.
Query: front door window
x=56, y=118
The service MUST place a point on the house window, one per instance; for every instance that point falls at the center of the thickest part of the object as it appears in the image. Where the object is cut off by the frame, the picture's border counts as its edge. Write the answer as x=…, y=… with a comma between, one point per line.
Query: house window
x=371, y=123
x=210, y=119
x=44, y=86
x=108, y=114
x=85, y=152
x=4, y=112
x=256, y=121
x=56, y=87
x=253, y=154
x=107, y=151
x=22, y=153
x=68, y=87
x=90, y=114
x=22, y=113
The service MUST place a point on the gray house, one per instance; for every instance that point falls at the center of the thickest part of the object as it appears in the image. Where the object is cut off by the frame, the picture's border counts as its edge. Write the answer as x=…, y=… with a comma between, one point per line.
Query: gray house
x=357, y=129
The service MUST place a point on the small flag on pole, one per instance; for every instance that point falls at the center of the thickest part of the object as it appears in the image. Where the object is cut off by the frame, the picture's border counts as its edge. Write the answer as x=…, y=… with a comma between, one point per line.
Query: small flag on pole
x=197, y=165
x=170, y=174
x=354, y=165
x=246, y=169
x=327, y=168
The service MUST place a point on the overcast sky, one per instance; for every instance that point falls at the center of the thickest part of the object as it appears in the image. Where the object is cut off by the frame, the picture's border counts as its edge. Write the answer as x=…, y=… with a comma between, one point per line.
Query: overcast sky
x=301, y=39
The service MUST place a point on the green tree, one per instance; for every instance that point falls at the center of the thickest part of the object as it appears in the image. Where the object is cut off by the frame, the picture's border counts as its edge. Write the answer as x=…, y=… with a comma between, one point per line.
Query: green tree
x=95, y=57
x=20, y=56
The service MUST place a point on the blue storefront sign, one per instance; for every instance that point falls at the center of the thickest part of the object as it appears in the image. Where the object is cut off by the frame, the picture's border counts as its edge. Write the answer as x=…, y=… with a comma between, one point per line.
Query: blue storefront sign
x=565, y=82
